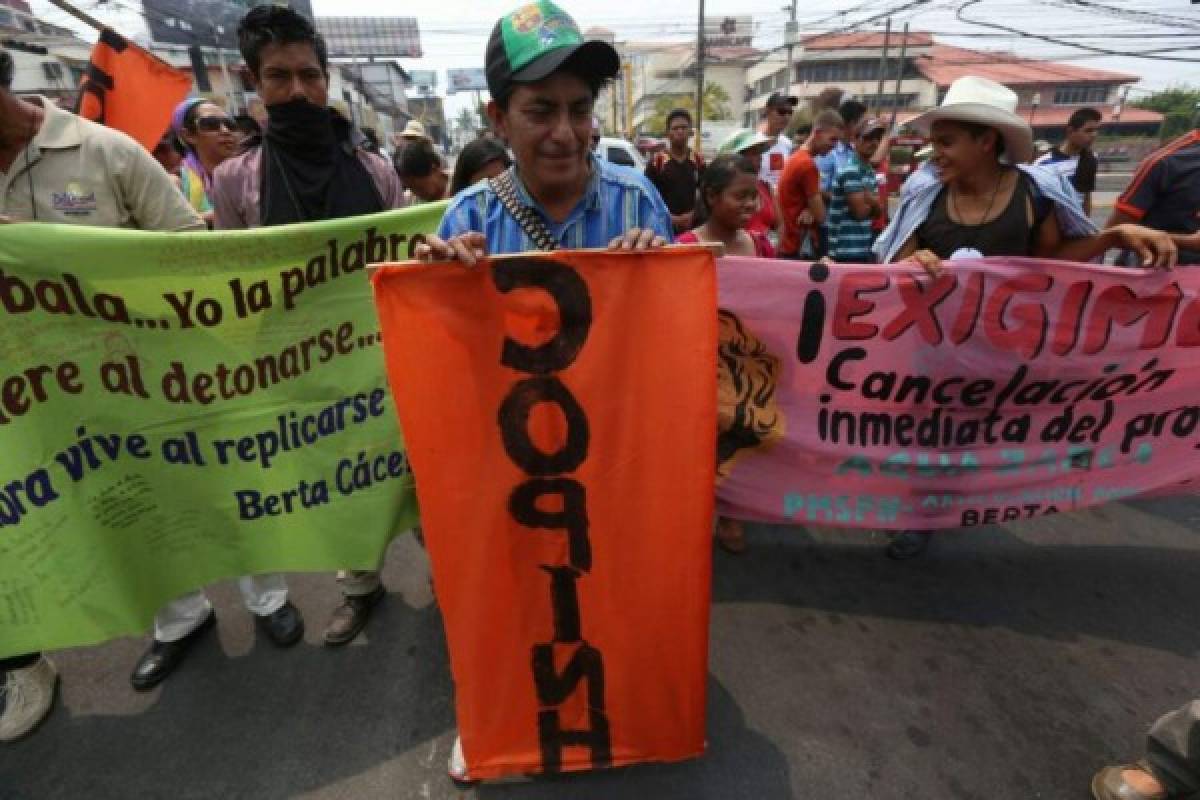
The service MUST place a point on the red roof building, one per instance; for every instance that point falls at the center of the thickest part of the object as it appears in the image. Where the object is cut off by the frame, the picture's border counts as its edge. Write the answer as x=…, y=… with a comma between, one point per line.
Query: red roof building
x=1048, y=92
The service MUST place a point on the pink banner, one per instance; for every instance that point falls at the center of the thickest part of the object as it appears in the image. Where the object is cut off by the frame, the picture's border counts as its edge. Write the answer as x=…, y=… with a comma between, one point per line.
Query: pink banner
x=1005, y=389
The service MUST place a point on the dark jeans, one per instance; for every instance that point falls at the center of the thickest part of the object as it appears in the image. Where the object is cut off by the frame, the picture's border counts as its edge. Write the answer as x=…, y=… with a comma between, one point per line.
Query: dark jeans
x=19, y=662
x=1173, y=750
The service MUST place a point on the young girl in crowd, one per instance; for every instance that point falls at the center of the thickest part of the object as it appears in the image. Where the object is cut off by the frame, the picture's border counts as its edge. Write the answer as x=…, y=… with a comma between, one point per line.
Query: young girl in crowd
x=728, y=199
x=482, y=158
x=209, y=136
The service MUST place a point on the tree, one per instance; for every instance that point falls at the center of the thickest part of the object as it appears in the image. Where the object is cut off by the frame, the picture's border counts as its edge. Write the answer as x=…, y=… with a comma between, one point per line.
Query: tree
x=1178, y=105
x=466, y=121
x=716, y=106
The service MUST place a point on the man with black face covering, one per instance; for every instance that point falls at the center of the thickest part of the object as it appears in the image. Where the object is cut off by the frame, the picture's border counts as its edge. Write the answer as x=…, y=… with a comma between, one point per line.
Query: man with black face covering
x=310, y=164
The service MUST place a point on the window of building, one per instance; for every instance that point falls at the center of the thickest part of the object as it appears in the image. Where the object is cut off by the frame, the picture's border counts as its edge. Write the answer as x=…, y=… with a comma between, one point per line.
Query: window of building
x=890, y=100
x=1080, y=95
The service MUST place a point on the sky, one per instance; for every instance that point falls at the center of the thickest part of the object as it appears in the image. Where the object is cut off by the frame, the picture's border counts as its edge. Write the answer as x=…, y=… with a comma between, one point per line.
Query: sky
x=454, y=32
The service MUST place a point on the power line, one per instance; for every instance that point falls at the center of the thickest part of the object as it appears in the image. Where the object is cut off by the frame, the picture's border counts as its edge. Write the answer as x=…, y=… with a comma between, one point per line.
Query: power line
x=1104, y=51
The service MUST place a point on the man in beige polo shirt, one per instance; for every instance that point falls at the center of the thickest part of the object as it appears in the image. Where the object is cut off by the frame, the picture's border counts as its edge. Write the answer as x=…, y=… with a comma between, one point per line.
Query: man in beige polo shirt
x=57, y=167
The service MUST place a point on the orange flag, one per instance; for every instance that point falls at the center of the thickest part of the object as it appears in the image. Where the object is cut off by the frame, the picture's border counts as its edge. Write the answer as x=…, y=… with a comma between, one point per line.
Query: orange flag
x=131, y=90
x=560, y=415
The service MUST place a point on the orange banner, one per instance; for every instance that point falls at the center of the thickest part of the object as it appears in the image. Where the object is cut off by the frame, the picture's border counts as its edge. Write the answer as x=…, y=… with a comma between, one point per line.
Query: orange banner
x=560, y=416
x=131, y=90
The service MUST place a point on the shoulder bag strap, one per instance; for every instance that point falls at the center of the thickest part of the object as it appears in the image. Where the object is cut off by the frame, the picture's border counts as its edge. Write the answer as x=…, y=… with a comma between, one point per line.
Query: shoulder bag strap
x=506, y=191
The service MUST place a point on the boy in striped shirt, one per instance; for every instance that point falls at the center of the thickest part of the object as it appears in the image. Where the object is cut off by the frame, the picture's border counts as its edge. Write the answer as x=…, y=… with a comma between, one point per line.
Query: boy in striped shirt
x=854, y=199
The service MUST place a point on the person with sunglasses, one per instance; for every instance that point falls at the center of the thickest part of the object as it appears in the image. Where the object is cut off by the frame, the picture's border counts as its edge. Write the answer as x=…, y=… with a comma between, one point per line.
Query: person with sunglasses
x=209, y=136
x=777, y=115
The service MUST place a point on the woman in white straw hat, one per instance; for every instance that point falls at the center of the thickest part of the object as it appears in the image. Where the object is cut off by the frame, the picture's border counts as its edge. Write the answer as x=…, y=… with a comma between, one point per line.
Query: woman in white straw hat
x=979, y=197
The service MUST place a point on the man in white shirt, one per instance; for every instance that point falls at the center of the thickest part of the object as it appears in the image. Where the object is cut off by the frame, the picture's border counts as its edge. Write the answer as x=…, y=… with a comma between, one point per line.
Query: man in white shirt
x=777, y=115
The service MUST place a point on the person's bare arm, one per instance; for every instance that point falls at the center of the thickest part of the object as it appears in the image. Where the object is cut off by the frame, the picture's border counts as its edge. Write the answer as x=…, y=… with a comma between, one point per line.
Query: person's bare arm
x=1154, y=249
x=816, y=207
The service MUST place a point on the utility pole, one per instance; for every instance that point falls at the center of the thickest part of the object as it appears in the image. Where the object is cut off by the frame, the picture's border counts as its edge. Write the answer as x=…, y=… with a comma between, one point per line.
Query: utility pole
x=899, y=77
x=883, y=61
x=699, y=76
x=790, y=32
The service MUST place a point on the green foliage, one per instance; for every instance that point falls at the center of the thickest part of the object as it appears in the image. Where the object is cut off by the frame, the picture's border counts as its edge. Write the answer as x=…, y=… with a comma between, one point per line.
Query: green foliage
x=1178, y=107
x=716, y=107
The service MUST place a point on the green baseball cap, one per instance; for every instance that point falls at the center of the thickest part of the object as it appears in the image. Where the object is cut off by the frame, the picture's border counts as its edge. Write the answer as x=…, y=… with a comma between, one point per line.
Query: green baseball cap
x=536, y=40
x=742, y=140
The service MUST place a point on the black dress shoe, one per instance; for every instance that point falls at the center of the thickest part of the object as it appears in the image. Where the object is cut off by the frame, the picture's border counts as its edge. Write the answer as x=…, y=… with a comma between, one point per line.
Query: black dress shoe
x=285, y=626
x=163, y=657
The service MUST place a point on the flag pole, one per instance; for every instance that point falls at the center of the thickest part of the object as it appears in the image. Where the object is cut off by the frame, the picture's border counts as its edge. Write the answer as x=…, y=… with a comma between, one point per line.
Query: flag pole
x=78, y=14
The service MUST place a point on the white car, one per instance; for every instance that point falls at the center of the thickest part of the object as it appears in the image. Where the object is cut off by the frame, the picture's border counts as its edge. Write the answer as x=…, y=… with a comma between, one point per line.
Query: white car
x=619, y=151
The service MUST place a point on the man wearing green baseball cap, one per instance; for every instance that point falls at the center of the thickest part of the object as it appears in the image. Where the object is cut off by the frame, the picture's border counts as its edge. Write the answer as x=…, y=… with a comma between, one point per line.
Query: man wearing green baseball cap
x=543, y=77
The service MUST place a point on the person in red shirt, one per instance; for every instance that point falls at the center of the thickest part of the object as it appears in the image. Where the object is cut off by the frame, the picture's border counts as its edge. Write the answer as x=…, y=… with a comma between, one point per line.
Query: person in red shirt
x=800, y=200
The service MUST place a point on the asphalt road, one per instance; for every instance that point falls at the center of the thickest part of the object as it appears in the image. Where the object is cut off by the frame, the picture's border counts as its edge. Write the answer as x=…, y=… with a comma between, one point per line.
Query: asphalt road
x=1011, y=662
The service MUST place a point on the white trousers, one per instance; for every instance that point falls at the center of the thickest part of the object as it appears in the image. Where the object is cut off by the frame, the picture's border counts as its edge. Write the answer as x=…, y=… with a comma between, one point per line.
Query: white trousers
x=262, y=594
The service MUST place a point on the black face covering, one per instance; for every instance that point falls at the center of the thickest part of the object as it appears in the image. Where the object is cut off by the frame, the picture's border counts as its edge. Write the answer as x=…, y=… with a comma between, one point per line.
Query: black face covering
x=310, y=170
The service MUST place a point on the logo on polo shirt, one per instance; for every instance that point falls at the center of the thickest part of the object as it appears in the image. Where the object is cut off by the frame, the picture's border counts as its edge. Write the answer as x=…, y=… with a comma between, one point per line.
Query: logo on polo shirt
x=75, y=201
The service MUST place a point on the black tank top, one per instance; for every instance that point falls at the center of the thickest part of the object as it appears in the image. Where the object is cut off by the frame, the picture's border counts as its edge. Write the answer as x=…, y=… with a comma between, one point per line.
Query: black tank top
x=1009, y=234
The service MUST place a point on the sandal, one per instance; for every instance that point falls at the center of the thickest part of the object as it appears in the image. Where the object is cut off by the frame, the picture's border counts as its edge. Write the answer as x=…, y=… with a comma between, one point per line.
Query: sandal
x=1109, y=784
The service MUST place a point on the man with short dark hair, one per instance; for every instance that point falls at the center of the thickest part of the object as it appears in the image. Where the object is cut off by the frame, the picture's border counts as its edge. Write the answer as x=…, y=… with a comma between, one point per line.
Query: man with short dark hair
x=676, y=172
x=777, y=115
x=543, y=78
x=852, y=113
x=58, y=167
x=854, y=199
x=423, y=173
x=800, y=199
x=311, y=163
x=1074, y=159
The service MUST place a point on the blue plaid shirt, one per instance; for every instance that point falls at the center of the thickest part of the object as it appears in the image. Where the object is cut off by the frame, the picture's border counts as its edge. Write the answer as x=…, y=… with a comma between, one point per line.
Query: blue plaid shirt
x=616, y=199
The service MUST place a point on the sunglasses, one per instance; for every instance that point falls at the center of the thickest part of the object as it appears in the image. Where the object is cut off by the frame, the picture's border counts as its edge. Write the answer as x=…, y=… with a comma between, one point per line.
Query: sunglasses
x=214, y=124
x=783, y=112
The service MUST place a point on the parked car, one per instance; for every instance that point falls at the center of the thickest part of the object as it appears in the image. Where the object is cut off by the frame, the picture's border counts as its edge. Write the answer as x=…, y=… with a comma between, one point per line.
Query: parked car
x=619, y=151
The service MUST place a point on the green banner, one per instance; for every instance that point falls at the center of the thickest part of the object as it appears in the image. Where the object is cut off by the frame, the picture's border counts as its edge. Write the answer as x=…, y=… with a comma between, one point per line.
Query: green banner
x=181, y=408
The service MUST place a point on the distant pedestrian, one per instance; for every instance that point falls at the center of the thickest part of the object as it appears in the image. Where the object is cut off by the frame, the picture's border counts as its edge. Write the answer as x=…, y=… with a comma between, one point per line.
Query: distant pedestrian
x=1074, y=159
x=676, y=172
x=481, y=159
x=854, y=202
x=777, y=115
x=423, y=173
x=801, y=201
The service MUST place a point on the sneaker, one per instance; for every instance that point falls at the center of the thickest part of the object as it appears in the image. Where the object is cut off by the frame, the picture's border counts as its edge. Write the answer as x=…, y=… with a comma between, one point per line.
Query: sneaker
x=457, y=766
x=25, y=698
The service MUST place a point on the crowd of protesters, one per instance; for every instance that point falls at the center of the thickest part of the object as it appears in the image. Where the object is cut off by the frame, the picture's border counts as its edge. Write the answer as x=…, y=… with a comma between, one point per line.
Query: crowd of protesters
x=534, y=183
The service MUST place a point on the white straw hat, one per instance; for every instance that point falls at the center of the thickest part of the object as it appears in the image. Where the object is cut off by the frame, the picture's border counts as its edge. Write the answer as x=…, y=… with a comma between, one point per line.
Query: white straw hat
x=414, y=130
x=985, y=102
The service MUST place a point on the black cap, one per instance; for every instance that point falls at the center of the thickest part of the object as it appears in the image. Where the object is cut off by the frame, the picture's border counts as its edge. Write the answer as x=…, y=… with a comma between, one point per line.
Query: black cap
x=537, y=39
x=778, y=99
